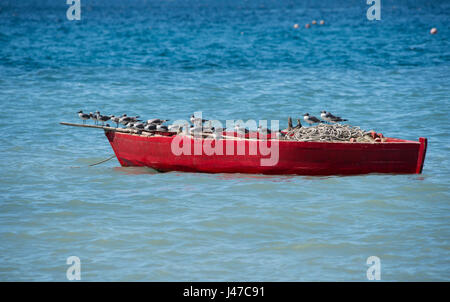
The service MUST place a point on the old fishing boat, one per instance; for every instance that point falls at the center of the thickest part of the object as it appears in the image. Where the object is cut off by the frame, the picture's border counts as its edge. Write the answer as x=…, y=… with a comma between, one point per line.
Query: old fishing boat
x=263, y=155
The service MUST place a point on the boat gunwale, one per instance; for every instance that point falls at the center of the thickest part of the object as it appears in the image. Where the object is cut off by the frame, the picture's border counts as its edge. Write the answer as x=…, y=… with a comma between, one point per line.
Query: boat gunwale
x=397, y=140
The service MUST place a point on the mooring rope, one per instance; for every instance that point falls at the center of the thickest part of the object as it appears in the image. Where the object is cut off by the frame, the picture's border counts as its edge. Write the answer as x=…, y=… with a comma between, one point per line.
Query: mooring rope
x=100, y=162
x=328, y=133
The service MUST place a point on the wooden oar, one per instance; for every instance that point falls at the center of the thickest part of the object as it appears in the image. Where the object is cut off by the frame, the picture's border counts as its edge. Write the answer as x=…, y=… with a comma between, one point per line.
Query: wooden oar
x=133, y=131
x=100, y=127
x=123, y=130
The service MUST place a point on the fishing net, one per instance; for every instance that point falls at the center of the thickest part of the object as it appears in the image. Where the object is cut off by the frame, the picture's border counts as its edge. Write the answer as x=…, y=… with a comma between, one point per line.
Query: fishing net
x=329, y=133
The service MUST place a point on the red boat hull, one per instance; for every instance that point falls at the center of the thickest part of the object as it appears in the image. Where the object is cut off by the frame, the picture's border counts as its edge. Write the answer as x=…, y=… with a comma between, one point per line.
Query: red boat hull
x=300, y=158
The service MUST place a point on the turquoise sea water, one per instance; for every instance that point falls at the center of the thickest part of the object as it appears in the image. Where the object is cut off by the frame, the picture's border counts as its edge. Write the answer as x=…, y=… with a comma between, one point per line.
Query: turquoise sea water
x=240, y=60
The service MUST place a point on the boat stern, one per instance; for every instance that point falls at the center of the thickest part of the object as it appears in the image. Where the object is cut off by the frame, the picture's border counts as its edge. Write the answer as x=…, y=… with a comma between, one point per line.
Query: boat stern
x=422, y=152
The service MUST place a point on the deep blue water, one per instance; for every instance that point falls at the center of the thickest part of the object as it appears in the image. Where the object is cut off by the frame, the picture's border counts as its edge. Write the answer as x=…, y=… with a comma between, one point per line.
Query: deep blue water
x=233, y=60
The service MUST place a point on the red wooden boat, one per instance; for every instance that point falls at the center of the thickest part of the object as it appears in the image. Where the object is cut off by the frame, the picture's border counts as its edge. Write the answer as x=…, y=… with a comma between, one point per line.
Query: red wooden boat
x=301, y=158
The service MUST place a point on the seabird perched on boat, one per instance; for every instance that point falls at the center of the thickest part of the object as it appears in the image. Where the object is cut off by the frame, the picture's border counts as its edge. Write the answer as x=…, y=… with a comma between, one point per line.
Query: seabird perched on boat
x=331, y=118
x=264, y=130
x=150, y=127
x=241, y=130
x=311, y=119
x=115, y=119
x=124, y=120
x=103, y=118
x=195, y=130
x=175, y=128
x=135, y=118
x=138, y=126
x=162, y=128
x=208, y=130
x=93, y=117
x=197, y=120
x=83, y=116
x=156, y=121
x=97, y=116
x=280, y=134
x=129, y=125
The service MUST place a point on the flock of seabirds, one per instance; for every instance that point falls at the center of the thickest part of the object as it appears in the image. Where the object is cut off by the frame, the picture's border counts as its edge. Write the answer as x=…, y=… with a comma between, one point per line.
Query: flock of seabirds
x=198, y=125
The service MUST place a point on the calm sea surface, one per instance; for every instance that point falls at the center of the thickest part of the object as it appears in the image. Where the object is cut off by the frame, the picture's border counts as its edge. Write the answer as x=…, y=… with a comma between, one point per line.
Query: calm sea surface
x=239, y=60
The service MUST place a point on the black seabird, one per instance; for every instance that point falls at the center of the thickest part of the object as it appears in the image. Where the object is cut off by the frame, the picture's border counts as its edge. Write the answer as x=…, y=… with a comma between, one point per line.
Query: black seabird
x=193, y=130
x=115, y=119
x=208, y=130
x=239, y=129
x=129, y=125
x=93, y=117
x=197, y=120
x=156, y=121
x=331, y=118
x=150, y=127
x=138, y=126
x=175, y=128
x=162, y=128
x=124, y=120
x=264, y=130
x=103, y=118
x=83, y=116
x=135, y=118
x=280, y=134
x=311, y=119
x=97, y=116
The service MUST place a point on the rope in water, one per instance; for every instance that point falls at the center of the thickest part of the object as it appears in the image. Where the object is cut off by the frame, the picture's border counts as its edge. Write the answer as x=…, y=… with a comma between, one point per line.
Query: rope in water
x=328, y=133
x=100, y=162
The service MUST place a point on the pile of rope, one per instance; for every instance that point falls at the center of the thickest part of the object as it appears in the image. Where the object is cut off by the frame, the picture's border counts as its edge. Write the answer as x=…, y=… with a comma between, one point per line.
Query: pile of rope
x=329, y=133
